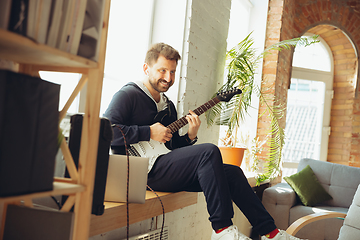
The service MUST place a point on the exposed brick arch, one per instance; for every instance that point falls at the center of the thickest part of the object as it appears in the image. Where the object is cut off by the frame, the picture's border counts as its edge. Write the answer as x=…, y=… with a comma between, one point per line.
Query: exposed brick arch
x=345, y=61
x=338, y=23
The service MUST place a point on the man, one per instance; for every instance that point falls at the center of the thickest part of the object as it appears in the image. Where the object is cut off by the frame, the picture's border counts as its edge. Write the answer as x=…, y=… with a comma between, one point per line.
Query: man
x=187, y=167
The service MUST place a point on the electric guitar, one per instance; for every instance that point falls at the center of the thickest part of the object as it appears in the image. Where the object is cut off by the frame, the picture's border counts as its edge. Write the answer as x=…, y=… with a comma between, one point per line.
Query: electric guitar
x=153, y=149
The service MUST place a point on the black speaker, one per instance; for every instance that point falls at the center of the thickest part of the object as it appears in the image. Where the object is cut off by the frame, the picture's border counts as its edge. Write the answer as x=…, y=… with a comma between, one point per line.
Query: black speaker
x=105, y=138
x=29, y=120
x=37, y=224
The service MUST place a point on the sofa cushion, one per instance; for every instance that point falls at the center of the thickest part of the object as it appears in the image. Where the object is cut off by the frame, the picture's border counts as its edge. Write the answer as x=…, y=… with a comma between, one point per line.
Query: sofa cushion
x=307, y=187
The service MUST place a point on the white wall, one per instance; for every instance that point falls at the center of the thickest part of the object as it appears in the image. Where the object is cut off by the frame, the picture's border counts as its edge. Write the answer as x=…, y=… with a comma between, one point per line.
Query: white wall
x=204, y=57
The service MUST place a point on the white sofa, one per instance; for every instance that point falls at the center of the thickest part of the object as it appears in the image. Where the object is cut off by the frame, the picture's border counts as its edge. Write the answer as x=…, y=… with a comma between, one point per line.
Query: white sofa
x=340, y=181
x=350, y=230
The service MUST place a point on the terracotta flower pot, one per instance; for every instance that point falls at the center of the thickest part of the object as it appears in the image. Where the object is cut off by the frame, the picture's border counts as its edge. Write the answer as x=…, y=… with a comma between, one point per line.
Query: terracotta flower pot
x=232, y=155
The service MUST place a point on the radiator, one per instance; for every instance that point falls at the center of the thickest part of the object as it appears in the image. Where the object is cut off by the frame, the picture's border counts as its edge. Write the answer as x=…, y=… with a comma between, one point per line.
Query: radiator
x=152, y=235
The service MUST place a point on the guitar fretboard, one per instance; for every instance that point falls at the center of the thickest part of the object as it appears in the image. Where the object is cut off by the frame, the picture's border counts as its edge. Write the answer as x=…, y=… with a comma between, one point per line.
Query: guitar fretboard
x=181, y=122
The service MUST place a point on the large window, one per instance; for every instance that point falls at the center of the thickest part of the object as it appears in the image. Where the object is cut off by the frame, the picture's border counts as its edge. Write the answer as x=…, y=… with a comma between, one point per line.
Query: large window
x=128, y=40
x=304, y=120
x=133, y=26
x=308, y=107
x=238, y=22
x=247, y=17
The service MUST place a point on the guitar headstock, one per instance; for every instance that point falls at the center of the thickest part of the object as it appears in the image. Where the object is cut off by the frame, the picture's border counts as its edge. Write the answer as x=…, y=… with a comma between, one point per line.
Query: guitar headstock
x=225, y=96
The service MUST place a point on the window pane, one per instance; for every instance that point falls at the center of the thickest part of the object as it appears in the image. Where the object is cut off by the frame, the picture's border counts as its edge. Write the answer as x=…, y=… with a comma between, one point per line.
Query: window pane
x=305, y=108
x=238, y=30
x=238, y=22
x=314, y=57
x=127, y=43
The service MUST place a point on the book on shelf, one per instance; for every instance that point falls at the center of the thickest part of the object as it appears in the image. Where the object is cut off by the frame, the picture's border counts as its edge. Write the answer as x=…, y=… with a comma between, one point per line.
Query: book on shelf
x=31, y=18
x=66, y=18
x=91, y=33
x=42, y=23
x=73, y=20
x=54, y=24
x=76, y=27
x=72, y=26
x=5, y=8
x=38, y=20
x=18, y=16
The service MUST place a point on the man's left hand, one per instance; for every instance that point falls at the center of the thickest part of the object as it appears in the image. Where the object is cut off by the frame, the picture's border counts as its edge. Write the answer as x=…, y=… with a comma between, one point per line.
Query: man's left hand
x=194, y=124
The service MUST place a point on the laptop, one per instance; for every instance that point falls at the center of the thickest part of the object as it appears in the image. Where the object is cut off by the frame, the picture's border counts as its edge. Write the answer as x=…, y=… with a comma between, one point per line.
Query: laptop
x=115, y=190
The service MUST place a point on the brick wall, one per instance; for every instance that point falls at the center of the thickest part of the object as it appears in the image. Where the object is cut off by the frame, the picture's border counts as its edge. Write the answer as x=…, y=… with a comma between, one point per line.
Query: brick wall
x=277, y=66
x=344, y=93
x=338, y=23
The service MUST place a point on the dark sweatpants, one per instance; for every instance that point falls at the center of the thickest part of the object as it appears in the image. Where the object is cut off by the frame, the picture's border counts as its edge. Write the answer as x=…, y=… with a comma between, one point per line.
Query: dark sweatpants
x=199, y=168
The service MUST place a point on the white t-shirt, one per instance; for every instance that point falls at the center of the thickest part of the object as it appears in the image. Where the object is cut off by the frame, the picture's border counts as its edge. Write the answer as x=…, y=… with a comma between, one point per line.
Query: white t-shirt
x=162, y=104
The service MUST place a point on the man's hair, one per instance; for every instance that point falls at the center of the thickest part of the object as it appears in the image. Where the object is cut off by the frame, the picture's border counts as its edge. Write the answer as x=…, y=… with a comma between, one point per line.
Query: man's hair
x=163, y=49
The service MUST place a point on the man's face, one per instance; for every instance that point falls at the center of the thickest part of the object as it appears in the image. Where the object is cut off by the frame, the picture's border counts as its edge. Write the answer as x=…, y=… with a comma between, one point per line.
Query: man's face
x=161, y=74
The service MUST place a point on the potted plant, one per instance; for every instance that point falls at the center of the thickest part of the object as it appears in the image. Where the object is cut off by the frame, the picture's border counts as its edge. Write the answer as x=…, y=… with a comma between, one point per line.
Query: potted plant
x=241, y=64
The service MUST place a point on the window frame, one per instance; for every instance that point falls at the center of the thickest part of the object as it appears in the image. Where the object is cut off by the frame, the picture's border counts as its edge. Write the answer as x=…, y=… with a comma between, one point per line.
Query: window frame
x=322, y=76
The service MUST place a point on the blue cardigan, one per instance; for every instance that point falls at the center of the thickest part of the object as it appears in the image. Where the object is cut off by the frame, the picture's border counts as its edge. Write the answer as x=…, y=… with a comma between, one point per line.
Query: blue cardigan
x=134, y=111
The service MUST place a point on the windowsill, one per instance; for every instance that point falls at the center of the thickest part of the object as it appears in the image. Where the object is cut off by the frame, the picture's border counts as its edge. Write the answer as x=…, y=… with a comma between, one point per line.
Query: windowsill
x=251, y=178
x=115, y=213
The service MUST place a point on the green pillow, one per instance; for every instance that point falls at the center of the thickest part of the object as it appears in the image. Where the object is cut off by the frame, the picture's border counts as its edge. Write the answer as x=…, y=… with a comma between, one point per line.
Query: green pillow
x=307, y=187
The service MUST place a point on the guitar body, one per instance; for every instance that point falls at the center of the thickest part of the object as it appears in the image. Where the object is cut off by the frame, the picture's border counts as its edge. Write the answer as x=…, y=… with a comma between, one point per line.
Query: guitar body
x=151, y=149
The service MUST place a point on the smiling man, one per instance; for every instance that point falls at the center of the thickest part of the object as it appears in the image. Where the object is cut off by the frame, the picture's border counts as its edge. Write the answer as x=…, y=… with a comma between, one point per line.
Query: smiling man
x=161, y=76
x=136, y=108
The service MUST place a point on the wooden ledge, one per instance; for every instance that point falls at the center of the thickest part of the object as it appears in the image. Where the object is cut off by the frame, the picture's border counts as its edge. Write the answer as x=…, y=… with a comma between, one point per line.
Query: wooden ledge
x=115, y=213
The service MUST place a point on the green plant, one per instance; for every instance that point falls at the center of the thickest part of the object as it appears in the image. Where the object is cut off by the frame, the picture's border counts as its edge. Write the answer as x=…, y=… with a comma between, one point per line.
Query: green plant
x=241, y=65
x=60, y=138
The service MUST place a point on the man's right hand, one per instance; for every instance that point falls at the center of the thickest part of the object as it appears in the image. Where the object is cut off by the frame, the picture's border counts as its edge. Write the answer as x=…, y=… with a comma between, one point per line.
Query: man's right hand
x=160, y=133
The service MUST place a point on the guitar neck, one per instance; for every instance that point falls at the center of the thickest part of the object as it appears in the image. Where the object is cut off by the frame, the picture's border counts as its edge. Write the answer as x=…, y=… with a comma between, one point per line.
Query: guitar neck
x=181, y=122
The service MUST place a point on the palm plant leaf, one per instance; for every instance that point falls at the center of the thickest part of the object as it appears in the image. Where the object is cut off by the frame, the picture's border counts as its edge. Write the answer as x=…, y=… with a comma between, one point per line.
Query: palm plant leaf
x=287, y=44
x=275, y=141
x=241, y=65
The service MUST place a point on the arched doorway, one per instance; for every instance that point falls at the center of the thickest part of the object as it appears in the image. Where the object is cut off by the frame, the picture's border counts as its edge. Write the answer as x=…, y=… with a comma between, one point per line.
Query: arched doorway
x=308, y=105
x=343, y=109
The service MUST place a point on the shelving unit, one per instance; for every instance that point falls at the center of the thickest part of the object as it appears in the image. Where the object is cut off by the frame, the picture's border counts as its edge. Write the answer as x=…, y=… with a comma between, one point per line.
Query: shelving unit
x=33, y=57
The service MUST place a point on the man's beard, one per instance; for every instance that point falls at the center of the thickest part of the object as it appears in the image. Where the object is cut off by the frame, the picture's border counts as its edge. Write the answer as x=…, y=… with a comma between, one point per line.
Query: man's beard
x=156, y=84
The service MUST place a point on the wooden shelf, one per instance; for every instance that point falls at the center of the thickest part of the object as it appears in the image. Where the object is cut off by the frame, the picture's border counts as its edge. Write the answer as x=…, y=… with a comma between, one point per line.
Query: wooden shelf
x=115, y=213
x=23, y=50
x=60, y=188
x=32, y=57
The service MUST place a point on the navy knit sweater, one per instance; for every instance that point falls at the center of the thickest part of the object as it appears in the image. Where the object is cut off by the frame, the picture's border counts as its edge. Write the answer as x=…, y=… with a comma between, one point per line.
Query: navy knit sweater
x=134, y=111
